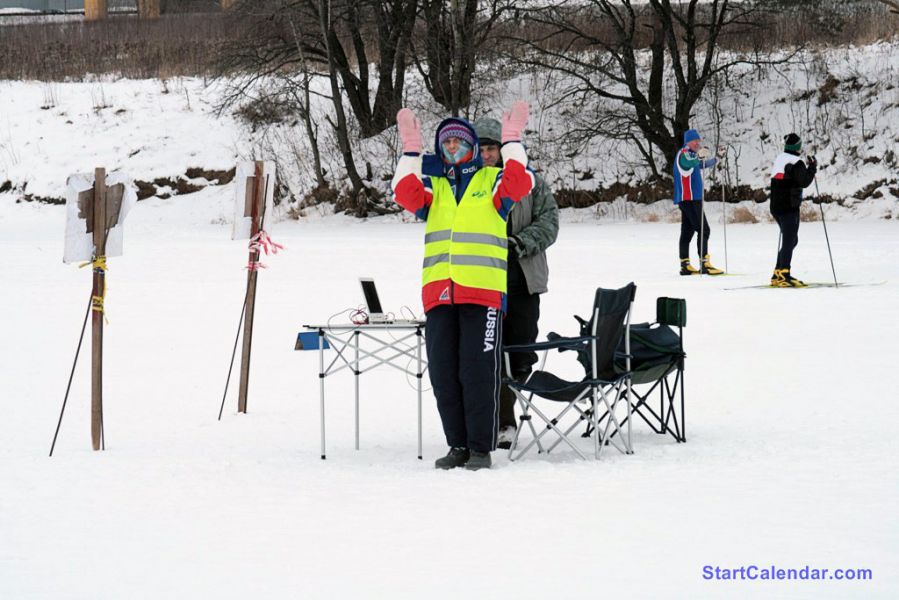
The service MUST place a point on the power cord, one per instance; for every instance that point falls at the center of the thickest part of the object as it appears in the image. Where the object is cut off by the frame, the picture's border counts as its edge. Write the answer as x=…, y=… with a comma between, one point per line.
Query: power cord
x=409, y=381
x=357, y=316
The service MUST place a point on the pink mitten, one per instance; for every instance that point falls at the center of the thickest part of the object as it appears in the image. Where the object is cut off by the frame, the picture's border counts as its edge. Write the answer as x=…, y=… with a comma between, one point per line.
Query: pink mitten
x=514, y=122
x=409, y=129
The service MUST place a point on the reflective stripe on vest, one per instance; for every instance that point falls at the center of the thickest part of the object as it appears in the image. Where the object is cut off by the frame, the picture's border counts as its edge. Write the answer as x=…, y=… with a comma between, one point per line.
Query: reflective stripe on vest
x=466, y=242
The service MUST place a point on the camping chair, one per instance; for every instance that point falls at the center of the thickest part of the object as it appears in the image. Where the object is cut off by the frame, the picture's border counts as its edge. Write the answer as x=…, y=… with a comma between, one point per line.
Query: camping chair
x=657, y=354
x=606, y=381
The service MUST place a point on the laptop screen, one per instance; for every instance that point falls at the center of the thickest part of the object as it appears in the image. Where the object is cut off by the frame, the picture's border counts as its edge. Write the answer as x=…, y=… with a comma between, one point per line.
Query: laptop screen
x=371, y=296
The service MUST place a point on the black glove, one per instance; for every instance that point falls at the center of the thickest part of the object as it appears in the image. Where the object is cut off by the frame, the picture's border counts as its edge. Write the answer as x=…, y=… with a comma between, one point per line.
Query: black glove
x=812, y=162
x=516, y=248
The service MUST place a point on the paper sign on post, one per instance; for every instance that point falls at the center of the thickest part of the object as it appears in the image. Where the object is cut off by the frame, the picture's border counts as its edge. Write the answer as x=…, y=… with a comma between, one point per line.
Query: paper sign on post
x=121, y=196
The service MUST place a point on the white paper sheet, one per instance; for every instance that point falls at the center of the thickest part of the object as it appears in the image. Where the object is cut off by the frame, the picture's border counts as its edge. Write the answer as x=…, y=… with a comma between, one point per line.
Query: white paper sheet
x=243, y=225
x=79, y=244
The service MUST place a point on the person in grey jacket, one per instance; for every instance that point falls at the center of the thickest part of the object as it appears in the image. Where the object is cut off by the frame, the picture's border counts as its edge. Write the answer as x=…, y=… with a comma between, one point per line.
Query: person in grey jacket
x=533, y=226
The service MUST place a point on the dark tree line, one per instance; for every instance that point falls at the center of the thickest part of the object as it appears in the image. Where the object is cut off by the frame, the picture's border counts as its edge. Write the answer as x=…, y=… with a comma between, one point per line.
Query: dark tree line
x=647, y=64
x=635, y=70
x=364, y=50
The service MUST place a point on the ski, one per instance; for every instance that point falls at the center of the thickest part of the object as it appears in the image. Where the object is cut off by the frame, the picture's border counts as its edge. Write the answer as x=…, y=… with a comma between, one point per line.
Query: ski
x=807, y=286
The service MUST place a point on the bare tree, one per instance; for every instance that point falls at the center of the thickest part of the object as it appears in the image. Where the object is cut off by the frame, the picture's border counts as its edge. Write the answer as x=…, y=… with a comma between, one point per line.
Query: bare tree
x=455, y=34
x=647, y=65
x=344, y=36
x=290, y=43
x=340, y=126
x=301, y=91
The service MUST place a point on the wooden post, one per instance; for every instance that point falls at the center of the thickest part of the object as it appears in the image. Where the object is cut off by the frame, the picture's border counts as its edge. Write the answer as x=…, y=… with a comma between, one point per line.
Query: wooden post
x=95, y=10
x=148, y=9
x=99, y=234
x=256, y=212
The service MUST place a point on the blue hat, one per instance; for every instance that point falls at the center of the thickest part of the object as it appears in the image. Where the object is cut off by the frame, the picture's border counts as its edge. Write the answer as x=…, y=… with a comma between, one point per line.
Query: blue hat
x=690, y=135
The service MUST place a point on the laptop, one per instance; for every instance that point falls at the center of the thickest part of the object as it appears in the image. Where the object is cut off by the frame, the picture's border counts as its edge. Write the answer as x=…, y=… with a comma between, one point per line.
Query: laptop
x=373, y=302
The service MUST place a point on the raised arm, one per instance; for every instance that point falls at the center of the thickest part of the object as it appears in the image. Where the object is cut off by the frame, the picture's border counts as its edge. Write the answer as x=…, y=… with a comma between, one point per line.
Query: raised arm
x=410, y=189
x=515, y=181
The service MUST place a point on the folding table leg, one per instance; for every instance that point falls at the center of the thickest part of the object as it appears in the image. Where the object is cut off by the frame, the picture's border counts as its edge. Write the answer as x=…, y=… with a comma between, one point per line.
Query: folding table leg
x=321, y=383
x=419, y=375
x=356, y=376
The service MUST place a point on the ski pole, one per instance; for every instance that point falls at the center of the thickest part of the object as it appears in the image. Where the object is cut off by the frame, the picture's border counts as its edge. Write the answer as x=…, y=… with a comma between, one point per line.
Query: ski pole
x=233, y=354
x=701, y=230
x=724, y=208
x=71, y=374
x=701, y=220
x=826, y=237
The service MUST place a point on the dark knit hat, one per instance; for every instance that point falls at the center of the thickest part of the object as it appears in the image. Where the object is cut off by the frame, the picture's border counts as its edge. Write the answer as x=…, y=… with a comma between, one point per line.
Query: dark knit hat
x=455, y=129
x=792, y=143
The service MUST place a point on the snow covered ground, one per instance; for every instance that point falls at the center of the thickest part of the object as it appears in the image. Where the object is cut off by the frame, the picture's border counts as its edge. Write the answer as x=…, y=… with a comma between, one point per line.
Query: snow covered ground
x=791, y=411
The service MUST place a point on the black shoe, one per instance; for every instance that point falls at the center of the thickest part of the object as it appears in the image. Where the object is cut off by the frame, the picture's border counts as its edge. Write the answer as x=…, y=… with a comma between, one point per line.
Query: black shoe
x=456, y=457
x=478, y=460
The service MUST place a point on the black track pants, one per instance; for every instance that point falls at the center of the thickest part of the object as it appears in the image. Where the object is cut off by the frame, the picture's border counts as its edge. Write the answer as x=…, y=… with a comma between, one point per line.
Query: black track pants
x=691, y=219
x=789, y=229
x=464, y=363
x=519, y=327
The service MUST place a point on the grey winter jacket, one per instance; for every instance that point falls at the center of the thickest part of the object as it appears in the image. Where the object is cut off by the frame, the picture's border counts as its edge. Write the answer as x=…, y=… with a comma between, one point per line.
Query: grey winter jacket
x=535, y=226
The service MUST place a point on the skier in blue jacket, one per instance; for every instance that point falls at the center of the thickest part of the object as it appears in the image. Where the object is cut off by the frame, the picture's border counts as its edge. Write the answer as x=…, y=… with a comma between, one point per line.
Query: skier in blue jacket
x=688, y=195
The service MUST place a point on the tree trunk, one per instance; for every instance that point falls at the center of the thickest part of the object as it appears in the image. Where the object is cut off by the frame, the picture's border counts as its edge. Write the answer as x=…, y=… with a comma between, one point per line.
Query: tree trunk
x=305, y=106
x=343, y=140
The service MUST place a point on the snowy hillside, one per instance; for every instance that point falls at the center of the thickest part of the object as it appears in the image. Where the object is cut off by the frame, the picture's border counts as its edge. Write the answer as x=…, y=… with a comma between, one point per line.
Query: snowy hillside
x=844, y=102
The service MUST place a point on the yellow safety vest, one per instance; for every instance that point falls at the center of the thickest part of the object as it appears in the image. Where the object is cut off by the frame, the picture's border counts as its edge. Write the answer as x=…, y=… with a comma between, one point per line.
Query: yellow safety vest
x=466, y=242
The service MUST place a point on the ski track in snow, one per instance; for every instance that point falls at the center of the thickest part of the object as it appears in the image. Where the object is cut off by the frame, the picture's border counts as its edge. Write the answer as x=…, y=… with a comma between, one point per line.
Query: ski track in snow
x=791, y=456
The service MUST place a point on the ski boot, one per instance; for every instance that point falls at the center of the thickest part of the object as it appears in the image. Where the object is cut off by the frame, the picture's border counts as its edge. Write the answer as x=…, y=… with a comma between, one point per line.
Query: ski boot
x=708, y=269
x=778, y=279
x=456, y=457
x=686, y=268
x=792, y=281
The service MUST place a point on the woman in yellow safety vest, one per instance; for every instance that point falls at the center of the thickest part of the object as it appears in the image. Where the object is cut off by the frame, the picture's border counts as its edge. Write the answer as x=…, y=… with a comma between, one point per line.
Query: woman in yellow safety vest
x=464, y=270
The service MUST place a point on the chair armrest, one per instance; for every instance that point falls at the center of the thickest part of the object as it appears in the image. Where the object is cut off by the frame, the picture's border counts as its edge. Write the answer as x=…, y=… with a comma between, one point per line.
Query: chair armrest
x=561, y=343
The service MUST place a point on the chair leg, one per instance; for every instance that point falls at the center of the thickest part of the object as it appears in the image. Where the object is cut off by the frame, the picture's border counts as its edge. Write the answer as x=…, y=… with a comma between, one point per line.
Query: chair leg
x=595, y=423
x=583, y=416
x=606, y=438
x=550, y=426
x=683, y=416
x=630, y=412
x=525, y=417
